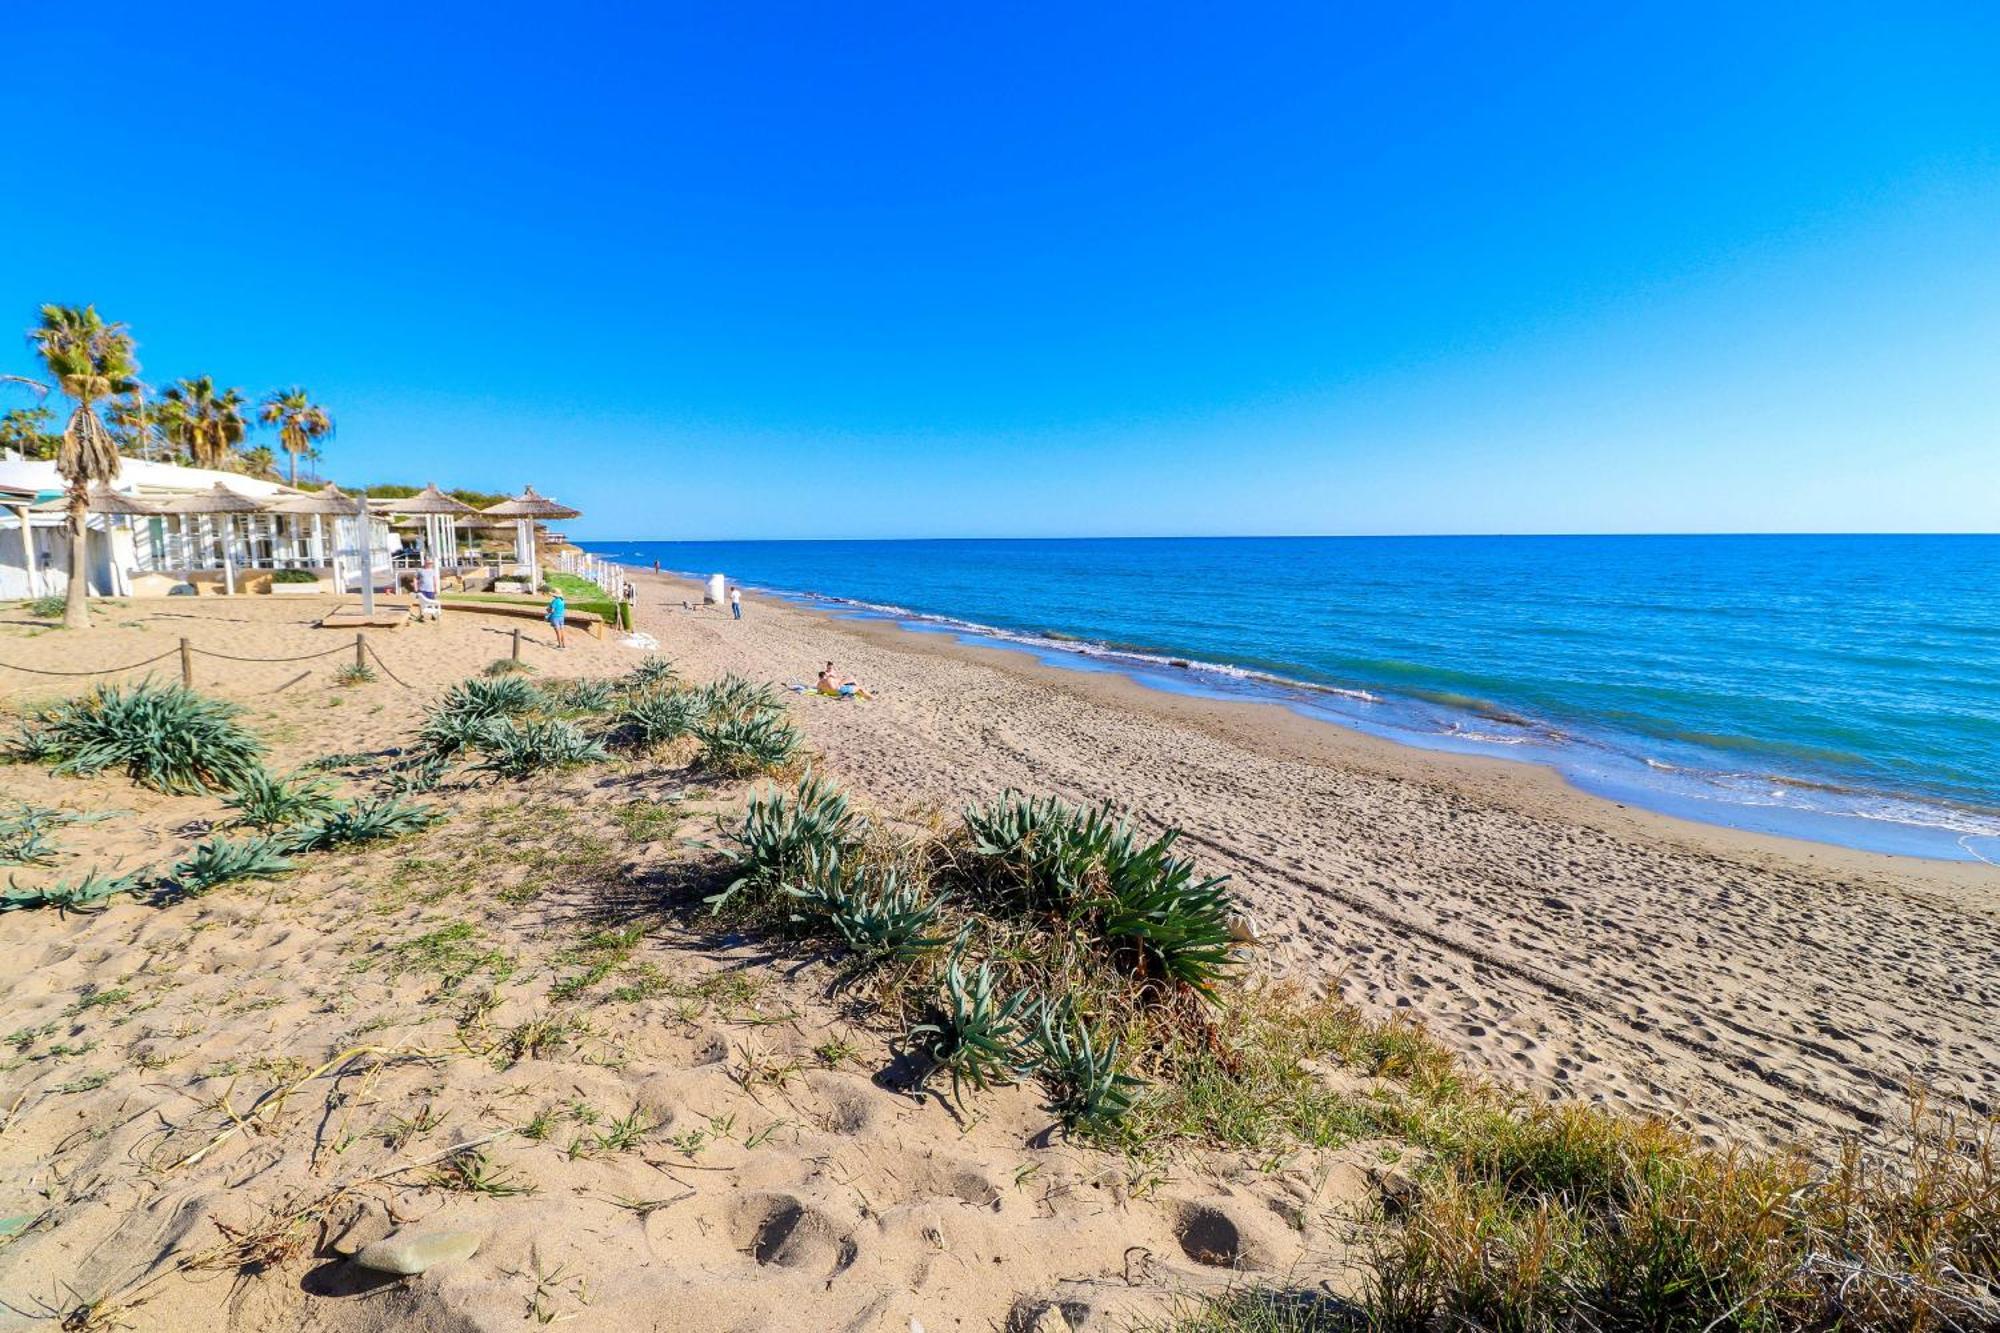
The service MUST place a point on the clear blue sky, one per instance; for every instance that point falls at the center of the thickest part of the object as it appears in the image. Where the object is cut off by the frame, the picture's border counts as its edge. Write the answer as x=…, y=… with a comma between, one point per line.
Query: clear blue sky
x=924, y=269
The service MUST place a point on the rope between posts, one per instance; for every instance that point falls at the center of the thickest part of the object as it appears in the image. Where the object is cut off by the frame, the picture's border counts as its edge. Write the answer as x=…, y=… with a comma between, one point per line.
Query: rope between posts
x=101, y=671
x=385, y=667
x=230, y=657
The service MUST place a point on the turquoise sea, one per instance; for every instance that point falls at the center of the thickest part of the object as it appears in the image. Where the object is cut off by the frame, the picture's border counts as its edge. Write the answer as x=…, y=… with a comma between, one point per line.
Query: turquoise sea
x=1842, y=688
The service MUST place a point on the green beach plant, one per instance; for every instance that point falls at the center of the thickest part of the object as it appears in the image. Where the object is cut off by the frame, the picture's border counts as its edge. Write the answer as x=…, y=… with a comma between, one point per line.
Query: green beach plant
x=875, y=913
x=264, y=801
x=1042, y=853
x=515, y=749
x=374, y=820
x=974, y=1034
x=220, y=861
x=488, y=697
x=165, y=737
x=787, y=837
x=1163, y=918
x=659, y=716
x=651, y=673
x=582, y=695
x=1080, y=1066
x=736, y=696
x=26, y=832
x=90, y=894
x=741, y=745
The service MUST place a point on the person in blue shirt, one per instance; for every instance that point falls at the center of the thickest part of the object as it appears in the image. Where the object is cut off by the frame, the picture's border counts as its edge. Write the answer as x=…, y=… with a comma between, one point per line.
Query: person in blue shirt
x=557, y=610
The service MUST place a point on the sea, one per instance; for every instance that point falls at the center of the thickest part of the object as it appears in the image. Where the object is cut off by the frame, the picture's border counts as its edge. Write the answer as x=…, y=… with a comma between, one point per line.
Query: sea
x=1844, y=689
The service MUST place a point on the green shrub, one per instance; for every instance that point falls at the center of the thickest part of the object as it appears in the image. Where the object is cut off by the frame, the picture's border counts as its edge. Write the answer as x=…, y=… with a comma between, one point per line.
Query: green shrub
x=264, y=801
x=652, y=673
x=221, y=860
x=25, y=832
x=1173, y=925
x=354, y=673
x=783, y=839
x=445, y=736
x=363, y=821
x=490, y=697
x=734, y=696
x=1042, y=854
x=512, y=749
x=50, y=607
x=294, y=576
x=90, y=894
x=581, y=696
x=974, y=1035
x=740, y=745
x=165, y=737
x=508, y=666
x=659, y=716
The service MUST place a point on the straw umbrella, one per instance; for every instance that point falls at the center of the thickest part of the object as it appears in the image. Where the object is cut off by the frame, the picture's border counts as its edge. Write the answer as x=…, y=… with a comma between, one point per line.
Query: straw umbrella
x=439, y=511
x=319, y=505
x=221, y=502
x=526, y=509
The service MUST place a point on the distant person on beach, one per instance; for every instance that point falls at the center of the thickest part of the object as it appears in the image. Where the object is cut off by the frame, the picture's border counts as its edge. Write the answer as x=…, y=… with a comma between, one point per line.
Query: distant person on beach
x=843, y=689
x=558, y=609
x=736, y=603
x=631, y=593
x=656, y=566
x=427, y=591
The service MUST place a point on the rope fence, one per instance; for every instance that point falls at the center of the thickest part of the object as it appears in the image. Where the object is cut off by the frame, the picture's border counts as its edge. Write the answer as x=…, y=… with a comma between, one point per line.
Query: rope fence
x=187, y=652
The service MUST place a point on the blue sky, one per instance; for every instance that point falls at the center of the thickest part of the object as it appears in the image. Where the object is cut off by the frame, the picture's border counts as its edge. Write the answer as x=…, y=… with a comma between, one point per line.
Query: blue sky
x=920, y=270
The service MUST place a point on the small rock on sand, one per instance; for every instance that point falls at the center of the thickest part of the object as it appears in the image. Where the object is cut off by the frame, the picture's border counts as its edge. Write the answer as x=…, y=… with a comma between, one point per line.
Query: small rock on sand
x=410, y=1252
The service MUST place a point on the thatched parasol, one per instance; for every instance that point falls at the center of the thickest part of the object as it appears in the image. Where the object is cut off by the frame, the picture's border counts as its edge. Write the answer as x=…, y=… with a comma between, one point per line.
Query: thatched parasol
x=332, y=500
x=429, y=500
x=104, y=500
x=525, y=509
x=220, y=500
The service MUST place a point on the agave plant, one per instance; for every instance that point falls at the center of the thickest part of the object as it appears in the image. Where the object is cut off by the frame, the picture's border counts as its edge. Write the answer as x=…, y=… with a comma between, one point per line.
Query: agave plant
x=660, y=716
x=740, y=745
x=882, y=922
x=220, y=860
x=166, y=737
x=445, y=736
x=522, y=749
x=1079, y=1066
x=362, y=821
x=420, y=772
x=785, y=838
x=90, y=894
x=265, y=801
x=975, y=1035
x=582, y=695
x=26, y=832
x=652, y=673
x=1173, y=925
x=33, y=743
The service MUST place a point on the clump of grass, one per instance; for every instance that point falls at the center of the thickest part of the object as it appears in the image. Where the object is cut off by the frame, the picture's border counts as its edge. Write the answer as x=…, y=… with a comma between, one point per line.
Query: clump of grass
x=265, y=801
x=785, y=837
x=659, y=716
x=514, y=749
x=90, y=894
x=508, y=666
x=473, y=1172
x=354, y=673
x=50, y=607
x=220, y=861
x=165, y=737
x=741, y=745
x=26, y=832
x=975, y=1035
x=491, y=698
x=375, y=820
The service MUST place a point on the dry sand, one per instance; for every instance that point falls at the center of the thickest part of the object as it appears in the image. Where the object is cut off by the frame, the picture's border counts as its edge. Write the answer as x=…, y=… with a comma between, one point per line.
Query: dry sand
x=1757, y=989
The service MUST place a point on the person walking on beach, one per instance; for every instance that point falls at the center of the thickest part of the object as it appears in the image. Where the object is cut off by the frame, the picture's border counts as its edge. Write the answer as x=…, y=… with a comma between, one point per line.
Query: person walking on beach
x=554, y=615
x=427, y=592
x=736, y=603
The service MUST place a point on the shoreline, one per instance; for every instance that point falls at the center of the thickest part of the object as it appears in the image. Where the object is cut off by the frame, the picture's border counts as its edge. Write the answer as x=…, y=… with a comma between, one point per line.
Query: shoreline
x=1772, y=804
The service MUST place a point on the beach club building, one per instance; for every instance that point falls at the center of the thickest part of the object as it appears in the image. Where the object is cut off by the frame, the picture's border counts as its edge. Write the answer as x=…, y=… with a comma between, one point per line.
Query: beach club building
x=164, y=530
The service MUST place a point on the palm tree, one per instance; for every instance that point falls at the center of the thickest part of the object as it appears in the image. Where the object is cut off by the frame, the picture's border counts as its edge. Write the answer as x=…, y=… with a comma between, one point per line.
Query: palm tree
x=261, y=462
x=301, y=423
x=207, y=423
x=89, y=361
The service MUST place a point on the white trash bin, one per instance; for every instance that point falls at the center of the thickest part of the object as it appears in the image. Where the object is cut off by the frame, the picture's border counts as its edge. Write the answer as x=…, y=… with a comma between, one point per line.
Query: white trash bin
x=718, y=590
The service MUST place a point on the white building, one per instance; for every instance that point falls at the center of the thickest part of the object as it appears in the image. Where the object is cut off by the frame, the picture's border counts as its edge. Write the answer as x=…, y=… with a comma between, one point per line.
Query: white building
x=142, y=555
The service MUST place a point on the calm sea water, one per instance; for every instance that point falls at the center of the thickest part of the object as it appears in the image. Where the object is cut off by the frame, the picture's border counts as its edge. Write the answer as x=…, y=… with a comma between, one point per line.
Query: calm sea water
x=1841, y=688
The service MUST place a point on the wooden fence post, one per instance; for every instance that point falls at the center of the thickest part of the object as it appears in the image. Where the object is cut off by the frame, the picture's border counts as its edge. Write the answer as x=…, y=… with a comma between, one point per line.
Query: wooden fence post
x=517, y=645
x=360, y=651
x=187, y=664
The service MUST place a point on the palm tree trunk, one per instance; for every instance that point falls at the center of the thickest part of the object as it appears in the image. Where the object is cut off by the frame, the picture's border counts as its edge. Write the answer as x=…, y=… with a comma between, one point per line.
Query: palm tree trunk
x=76, y=614
x=295, y=466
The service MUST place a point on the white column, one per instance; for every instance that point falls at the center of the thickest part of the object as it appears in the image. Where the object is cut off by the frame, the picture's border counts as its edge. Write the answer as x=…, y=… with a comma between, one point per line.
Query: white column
x=28, y=553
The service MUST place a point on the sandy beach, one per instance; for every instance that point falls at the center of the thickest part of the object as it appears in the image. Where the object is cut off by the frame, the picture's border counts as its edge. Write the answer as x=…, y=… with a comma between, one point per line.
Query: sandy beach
x=179, y=1078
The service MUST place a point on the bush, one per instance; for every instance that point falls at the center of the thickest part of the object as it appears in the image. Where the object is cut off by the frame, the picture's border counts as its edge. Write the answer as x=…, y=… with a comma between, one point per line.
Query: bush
x=734, y=696
x=50, y=607
x=1042, y=853
x=783, y=839
x=741, y=745
x=1171, y=925
x=294, y=576
x=581, y=696
x=355, y=673
x=652, y=673
x=487, y=698
x=657, y=717
x=166, y=737
x=1088, y=1090
x=363, y=821
x=522, y=749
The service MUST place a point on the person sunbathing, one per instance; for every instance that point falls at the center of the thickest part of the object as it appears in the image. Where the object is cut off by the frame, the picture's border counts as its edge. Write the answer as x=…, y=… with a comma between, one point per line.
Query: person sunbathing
x=839, y=689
